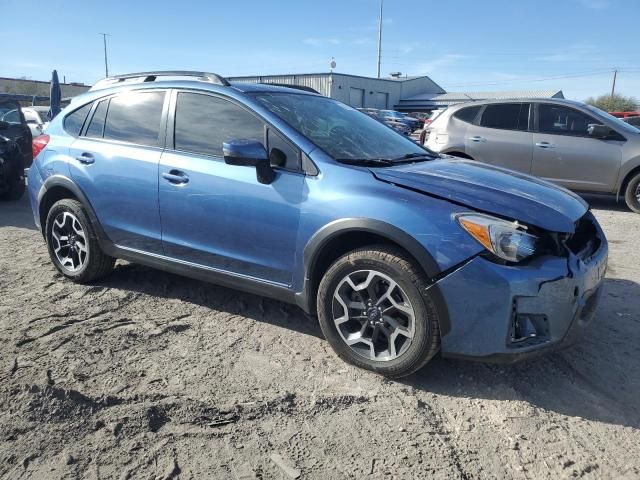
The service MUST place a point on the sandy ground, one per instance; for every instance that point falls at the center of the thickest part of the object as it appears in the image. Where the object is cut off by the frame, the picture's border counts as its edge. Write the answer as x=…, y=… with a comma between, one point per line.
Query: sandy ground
x=150, y=375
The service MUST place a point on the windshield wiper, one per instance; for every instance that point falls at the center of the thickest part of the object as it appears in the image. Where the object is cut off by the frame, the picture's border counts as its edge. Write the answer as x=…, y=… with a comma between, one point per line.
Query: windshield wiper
x=415, y=156
x=367, y=162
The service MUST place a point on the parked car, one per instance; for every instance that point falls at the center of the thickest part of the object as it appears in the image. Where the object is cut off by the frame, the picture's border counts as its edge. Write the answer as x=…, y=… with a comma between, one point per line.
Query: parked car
x=296, y=196
x=15, y=149
x=37, y=119
x=635, y=121
x=412, y=123
x=570, y=143
x=398, y=126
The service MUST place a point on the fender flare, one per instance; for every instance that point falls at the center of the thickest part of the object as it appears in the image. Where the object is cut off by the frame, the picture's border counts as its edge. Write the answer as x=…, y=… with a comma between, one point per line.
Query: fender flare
x=68, y=184
x=338, y=227
x=324, y=235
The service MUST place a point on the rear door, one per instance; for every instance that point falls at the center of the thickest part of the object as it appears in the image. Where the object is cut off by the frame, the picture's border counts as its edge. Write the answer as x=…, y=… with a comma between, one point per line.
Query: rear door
x=502, y=136
x=565, y=153
x=18, y=130
x=115, y=163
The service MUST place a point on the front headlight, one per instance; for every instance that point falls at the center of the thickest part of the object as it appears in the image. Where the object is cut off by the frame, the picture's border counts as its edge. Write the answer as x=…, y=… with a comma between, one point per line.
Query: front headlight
x=506, y=240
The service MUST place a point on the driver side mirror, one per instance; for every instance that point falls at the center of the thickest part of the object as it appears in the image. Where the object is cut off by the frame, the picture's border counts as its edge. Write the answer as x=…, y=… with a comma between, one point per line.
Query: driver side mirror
x=4, y=125
x=249, y=153
x=599, y=131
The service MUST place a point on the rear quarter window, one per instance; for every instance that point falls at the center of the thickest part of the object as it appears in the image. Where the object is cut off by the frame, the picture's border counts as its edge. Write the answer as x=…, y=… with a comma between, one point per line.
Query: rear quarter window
x=75, y=120
x=467, y=114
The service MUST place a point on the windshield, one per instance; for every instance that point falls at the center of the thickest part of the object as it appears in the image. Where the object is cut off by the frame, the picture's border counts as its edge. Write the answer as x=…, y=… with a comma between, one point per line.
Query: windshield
x=615, y=120
x=341, y=131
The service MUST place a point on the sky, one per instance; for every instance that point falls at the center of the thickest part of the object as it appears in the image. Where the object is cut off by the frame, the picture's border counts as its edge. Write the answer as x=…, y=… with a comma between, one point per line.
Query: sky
x=463, y=45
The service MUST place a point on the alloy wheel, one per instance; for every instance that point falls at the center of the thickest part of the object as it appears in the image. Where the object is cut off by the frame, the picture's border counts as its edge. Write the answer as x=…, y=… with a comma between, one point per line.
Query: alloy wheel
x=373, y=315
x=69, y=242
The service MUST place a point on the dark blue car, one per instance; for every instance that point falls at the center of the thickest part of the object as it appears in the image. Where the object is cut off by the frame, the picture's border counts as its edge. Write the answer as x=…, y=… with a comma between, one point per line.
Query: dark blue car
x=399, y=252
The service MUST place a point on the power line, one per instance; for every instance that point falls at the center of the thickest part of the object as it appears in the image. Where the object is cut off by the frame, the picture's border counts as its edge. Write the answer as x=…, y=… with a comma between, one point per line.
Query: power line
x=529, y=80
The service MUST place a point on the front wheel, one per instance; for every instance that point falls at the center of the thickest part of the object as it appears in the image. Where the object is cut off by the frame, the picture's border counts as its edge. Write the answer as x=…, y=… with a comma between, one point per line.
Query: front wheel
x=632, y=194
x=376, y=311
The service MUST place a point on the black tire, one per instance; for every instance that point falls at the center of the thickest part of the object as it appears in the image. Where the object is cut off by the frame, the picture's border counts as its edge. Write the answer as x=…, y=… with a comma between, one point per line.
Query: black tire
x=14, y=191
x=96, y=264
x=632, y=193
x=394, y=263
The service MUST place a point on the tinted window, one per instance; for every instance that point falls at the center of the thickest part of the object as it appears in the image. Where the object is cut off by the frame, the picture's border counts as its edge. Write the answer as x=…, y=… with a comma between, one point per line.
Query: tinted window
x=135, y=117
x=96, y=125
x=563, y=121
x=204, y=122
x=10, y=112
x=506, y=116
x=281, y=152
x=467, y=114
x=635, y=121
x=74, y=121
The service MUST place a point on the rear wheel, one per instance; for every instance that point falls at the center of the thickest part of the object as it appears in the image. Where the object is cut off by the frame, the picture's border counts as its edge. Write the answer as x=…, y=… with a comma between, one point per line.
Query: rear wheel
x=375, y=310
x=632, y=193
x=73, y=245
x=11, y=180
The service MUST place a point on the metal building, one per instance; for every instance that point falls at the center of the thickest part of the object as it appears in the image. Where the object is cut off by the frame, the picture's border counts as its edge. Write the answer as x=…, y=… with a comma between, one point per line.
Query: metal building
x=383, y=93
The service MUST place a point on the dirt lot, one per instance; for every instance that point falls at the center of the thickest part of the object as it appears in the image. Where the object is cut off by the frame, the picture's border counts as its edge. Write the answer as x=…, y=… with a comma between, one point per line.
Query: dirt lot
x=150, y=375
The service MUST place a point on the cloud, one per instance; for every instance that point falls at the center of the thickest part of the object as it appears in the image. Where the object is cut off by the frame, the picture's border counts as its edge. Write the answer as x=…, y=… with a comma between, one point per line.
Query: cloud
x=321, y=42
x=440, y=63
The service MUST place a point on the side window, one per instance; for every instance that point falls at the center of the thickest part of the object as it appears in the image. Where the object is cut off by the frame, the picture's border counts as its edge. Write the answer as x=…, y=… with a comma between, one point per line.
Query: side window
x=506, y=116
x=281, y=152
x=560, y=120
x=10, y=112
x=467, y=114
x=96, y=125
x=204, y=122
x=75, y=120
x=135, y=117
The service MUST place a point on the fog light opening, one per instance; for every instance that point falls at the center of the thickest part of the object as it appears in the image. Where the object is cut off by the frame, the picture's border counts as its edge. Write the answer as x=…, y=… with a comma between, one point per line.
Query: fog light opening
x=529, y=328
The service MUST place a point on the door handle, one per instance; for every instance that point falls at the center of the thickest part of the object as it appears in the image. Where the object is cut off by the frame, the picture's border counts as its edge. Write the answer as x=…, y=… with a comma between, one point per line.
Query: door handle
x=545, y=145
x=176, y=177
x=478, y=139
x=86, y=158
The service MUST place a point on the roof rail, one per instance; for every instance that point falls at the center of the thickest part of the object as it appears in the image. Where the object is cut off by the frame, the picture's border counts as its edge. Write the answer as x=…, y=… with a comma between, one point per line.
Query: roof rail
x=152, y=76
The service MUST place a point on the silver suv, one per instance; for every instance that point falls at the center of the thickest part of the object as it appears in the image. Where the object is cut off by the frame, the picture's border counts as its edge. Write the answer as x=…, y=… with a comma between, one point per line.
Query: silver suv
x=570, y=143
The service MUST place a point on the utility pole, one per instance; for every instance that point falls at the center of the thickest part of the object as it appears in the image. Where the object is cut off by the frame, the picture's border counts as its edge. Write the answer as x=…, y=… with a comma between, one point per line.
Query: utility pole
x=613, y=87
x=380, y=38
x=106, y=66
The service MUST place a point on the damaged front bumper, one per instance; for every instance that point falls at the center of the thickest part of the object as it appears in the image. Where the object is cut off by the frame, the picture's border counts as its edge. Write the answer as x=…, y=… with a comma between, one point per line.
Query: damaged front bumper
x=507, y=313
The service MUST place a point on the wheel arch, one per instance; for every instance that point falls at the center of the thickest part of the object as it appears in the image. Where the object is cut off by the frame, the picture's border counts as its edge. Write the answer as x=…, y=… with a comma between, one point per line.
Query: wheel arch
x=342, y=236
x=627, y=178
x=58, y=187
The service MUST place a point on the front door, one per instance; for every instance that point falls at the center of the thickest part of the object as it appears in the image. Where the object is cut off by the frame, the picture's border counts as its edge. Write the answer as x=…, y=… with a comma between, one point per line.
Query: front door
x=564, y=152
x=115, y=163
x=218, y=215
x=502, y=136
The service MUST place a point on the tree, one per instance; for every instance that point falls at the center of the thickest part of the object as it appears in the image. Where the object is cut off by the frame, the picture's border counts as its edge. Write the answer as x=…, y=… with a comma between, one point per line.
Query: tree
x=615, y=103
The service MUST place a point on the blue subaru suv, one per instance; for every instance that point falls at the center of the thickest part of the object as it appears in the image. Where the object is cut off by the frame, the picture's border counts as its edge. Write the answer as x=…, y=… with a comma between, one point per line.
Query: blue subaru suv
x=400, y=252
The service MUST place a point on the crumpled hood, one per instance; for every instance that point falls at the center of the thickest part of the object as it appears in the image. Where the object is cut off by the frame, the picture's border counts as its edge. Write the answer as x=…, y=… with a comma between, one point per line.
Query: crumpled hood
x=492, y=190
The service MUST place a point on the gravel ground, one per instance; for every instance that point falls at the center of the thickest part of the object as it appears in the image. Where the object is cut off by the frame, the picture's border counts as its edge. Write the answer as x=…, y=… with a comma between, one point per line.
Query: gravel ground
x=151, y=375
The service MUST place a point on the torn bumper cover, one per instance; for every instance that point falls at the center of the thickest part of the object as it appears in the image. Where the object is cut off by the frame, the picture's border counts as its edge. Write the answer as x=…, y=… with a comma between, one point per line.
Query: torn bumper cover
x=507, y=313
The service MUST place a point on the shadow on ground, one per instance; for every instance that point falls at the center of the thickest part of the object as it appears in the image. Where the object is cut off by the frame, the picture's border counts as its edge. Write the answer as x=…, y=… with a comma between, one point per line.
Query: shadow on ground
x=598, y=378
x=606, y=202
x=140, y=279
x=17, y=214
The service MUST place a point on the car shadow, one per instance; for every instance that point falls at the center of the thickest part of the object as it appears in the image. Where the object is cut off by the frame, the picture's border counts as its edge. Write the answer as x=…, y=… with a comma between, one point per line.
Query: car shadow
x=605, y=202
x=140, y=279
x=17, y=214
x=598, y=378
